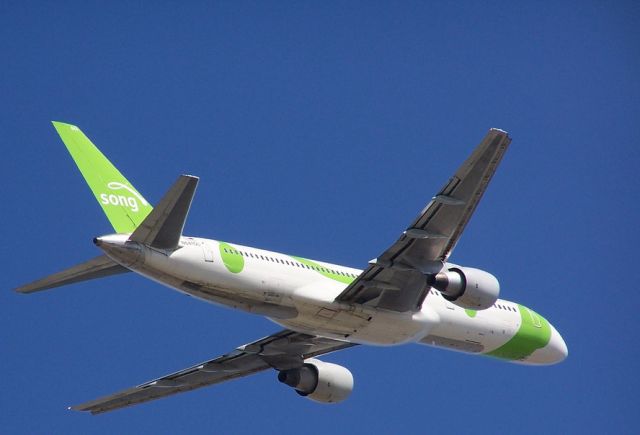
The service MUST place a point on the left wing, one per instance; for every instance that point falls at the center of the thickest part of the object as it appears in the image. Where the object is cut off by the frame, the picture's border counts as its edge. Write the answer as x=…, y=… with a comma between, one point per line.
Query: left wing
x=281, y=351
x=396, y=279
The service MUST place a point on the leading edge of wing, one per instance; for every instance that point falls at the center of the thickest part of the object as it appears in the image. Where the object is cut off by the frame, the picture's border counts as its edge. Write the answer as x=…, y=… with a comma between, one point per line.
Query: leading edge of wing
x=281, y=351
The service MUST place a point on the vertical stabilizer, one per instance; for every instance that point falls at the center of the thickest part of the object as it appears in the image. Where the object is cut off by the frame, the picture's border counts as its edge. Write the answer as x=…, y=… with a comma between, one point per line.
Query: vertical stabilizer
x=121, y=202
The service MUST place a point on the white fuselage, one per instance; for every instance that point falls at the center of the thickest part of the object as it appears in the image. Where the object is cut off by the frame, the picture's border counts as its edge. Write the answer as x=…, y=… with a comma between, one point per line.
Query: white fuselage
x=299, y=294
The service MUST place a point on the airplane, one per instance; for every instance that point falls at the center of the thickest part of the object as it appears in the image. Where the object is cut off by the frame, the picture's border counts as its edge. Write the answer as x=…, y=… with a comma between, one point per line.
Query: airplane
x=410, y=293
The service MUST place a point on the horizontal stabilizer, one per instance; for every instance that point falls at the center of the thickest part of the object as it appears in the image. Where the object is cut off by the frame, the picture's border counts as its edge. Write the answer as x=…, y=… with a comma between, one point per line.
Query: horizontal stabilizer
x=98, y=267
x=162, y=228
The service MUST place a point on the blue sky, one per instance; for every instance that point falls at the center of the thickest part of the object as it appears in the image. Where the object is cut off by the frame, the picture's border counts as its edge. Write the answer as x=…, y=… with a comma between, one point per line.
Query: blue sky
x=320, y=129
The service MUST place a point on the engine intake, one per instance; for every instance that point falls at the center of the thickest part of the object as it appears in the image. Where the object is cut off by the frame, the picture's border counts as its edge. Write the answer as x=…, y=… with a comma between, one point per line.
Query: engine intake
x=319, y=381
x=467, y=287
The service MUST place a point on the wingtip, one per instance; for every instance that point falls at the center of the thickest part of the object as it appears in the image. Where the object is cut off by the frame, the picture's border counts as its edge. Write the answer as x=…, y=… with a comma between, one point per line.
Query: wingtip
x=24, y=289
x=190, y=176
x=59, y=125
x=499, y=130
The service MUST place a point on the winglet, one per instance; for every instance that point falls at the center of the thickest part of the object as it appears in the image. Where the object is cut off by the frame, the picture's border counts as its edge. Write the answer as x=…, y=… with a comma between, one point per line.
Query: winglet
x=162, y=228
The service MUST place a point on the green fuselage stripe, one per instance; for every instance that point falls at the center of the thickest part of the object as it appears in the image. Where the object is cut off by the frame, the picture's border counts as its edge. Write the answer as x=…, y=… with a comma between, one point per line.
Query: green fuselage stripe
x=324, y=270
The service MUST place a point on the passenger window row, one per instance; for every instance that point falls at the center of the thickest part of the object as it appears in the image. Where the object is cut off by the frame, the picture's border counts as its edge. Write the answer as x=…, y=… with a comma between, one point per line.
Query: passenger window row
x=289, y=262
x=505, y=307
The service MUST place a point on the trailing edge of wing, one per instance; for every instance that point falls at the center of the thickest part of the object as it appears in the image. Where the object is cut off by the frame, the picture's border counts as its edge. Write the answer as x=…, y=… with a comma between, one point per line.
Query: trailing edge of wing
x=98, y=267
x=162, y=228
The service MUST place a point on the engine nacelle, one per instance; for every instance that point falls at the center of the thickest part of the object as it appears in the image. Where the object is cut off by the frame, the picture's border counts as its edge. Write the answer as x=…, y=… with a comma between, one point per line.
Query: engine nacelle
x=319, y=381
x=467, y=287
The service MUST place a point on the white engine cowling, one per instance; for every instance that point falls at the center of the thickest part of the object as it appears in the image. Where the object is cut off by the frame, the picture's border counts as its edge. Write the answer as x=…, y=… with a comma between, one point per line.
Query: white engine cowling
x=467, y=287
x=319, y=381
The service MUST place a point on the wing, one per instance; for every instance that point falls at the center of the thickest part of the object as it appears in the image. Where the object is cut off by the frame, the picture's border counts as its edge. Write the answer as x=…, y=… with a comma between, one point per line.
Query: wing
x=281, y=351
x=396, y=279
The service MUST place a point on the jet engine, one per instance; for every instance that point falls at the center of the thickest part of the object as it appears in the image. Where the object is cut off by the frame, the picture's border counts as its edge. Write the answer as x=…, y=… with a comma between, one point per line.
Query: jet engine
x=467, y=287
x=319, y=381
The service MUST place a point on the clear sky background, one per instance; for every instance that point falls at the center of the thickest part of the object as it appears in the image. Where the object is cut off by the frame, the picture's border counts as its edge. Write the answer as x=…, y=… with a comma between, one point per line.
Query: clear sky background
x=321, y=129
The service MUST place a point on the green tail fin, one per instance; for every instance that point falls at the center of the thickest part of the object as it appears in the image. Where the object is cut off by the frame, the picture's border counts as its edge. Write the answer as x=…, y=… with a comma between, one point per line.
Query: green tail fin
x=121, y=202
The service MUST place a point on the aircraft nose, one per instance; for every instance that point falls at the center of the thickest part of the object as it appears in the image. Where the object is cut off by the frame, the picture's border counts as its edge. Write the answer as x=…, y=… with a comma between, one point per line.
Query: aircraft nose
x=558, y=346
x=554, y=352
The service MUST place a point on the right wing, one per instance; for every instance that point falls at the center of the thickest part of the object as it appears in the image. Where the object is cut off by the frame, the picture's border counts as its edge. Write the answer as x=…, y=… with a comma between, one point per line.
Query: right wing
x=396, y=279
x=281, y=351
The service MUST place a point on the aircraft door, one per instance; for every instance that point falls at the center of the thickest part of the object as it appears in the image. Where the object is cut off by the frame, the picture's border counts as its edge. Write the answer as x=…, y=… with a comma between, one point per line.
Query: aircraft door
x=207, y=251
